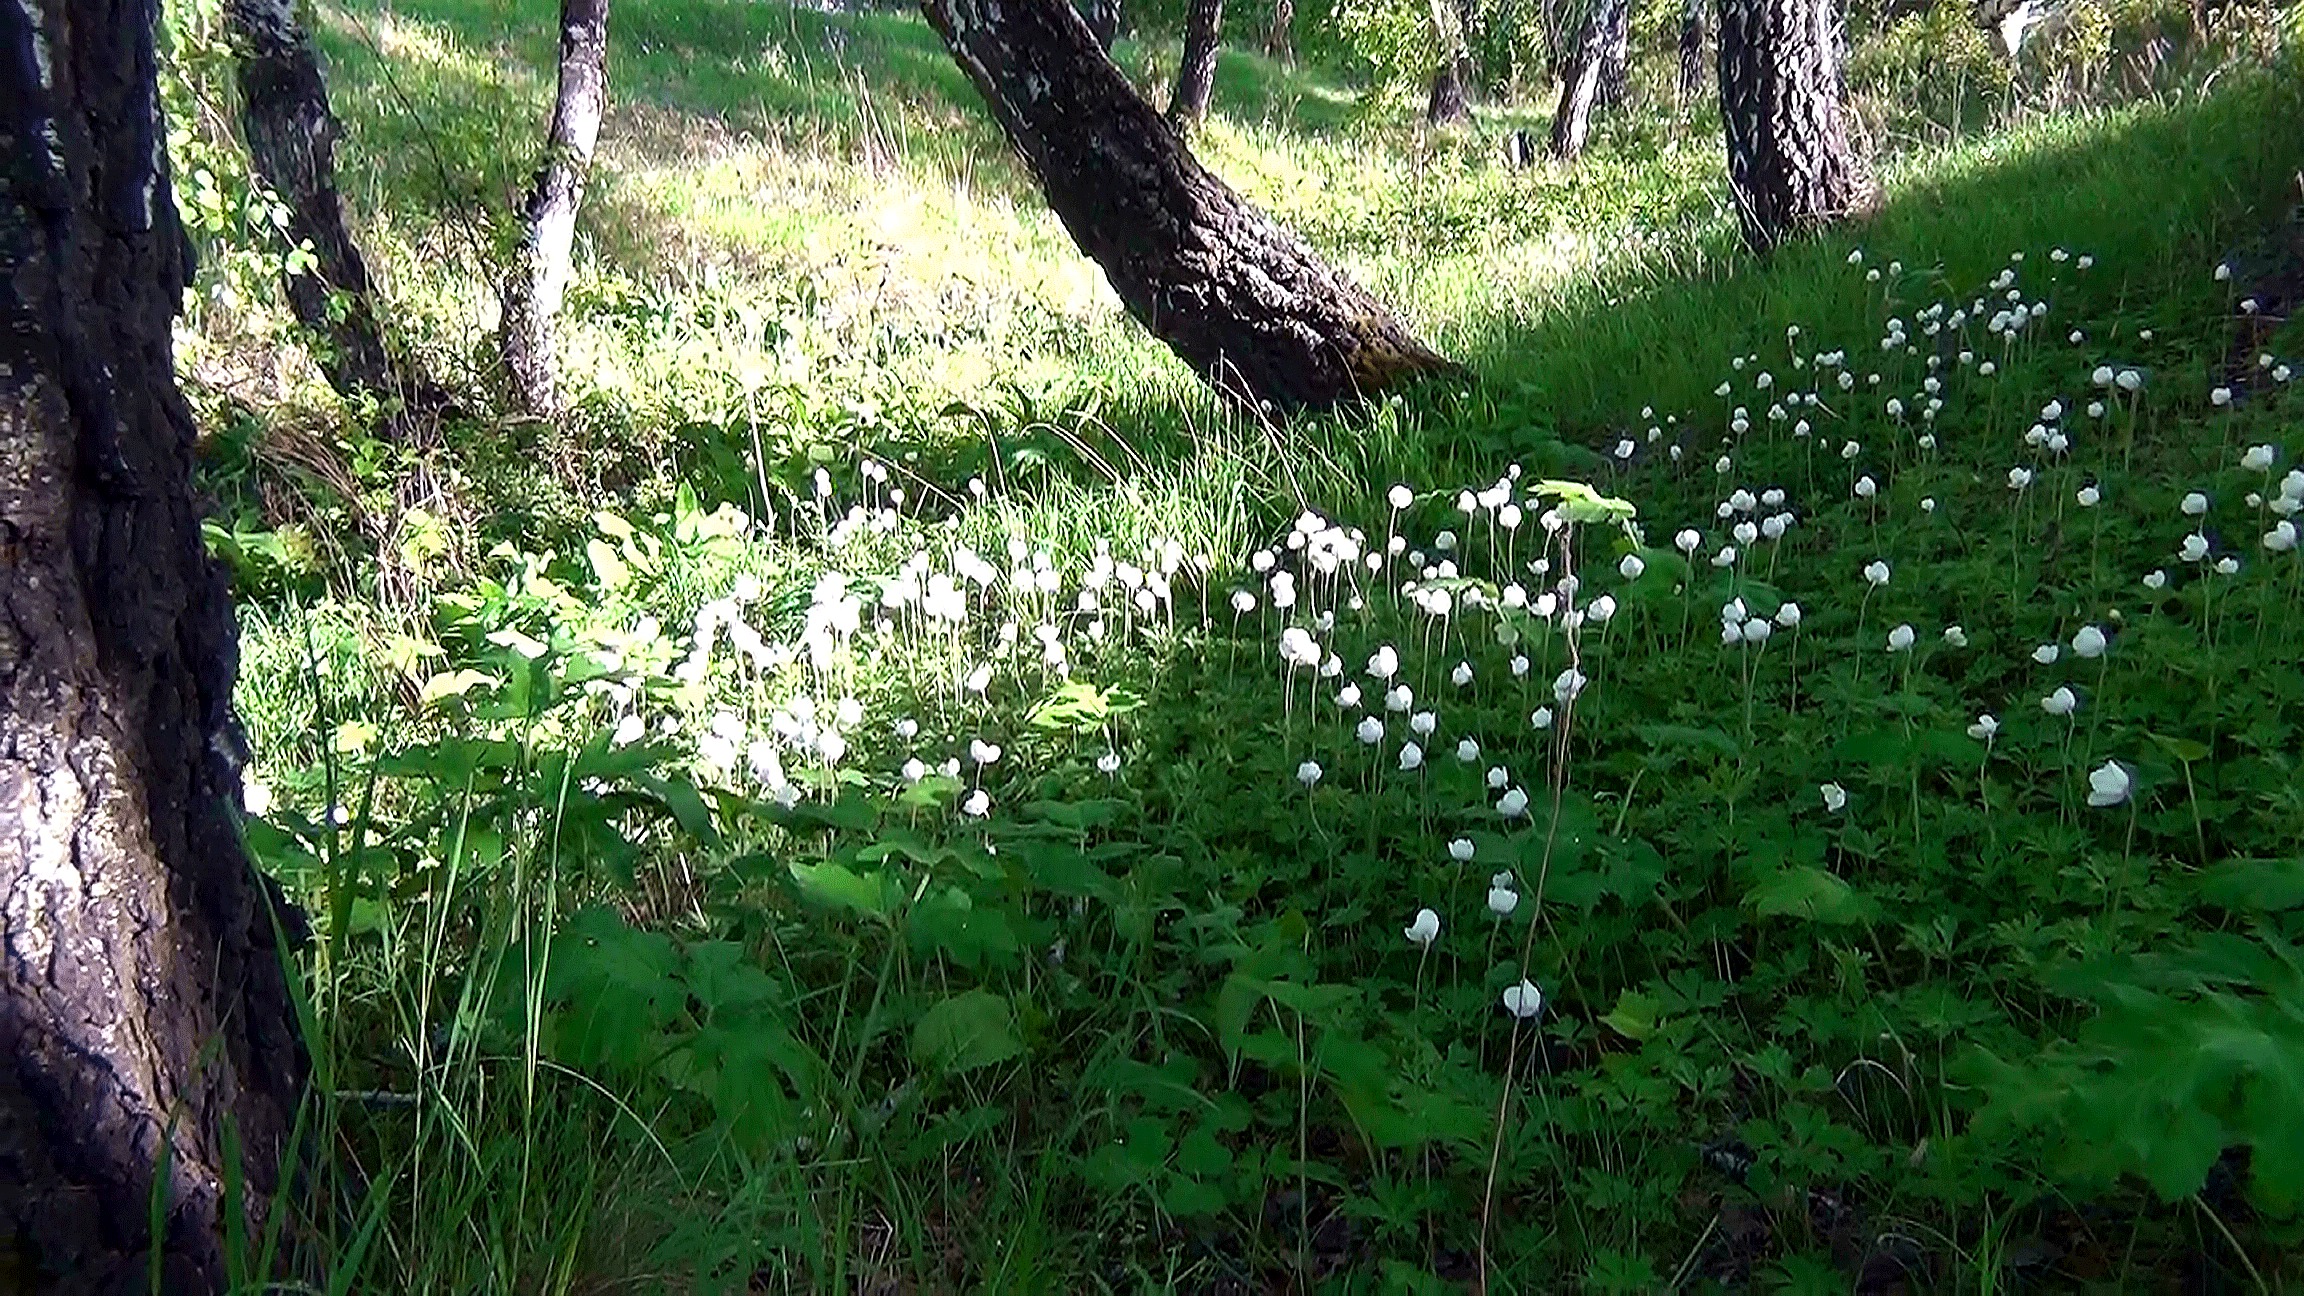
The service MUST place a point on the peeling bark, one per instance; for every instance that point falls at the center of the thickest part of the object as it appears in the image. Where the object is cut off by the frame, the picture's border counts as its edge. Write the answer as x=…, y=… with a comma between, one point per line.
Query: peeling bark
x=1237, y=297
x=1196, y=71
x=1792, y=166
x=532, y=291
x=291, y=135
x=144, y=1019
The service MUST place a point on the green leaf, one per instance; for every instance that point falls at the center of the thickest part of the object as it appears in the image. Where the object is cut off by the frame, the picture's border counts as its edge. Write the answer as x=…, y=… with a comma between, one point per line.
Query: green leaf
x=1812, y=894
x=2268, y=886
x=839, y=887
x=965, y=1032
x=1634, y=1017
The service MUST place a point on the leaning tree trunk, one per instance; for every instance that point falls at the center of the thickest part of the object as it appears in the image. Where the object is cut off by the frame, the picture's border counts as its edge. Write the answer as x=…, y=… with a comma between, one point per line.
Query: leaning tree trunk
x=1587, y=69
x=1792, y=166
x=145, y=1025
x=1450, y=100
x=1196, y=72
x=1281, y=43
x=291, y=135
x=1104, y=20
x=539, y=275
x=1691, y=80
x=1231, y=292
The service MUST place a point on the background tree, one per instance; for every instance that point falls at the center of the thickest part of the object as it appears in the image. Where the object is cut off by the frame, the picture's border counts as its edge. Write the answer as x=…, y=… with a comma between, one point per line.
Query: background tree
x=1239, y=298
x=538, y=278
x=145, y=1026
x=291, y=135
x=1281, y=42
x=1450, y=100
x=1616, y=62
x=1690, y=81
x=1607, y=30
x=1104, y=20
x=1792, y=165
x=1196, y=72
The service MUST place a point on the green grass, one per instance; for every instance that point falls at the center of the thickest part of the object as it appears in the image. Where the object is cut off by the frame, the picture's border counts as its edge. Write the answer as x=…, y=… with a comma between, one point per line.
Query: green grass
x=604, y=1014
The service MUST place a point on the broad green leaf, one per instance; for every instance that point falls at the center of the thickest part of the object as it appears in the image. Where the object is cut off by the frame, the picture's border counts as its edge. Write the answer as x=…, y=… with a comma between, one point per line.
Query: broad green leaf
x=1812, y=894
x=970, y=1030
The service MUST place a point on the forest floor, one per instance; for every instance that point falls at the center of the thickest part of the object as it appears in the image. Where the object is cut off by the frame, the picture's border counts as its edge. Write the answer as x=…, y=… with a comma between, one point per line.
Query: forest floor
x=901, y=790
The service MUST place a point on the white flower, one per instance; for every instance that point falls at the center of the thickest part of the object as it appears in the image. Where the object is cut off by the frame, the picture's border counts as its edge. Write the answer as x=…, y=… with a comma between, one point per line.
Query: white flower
x=2195, y=548
x=913, y=770
x=1308, y=773
x=1955, y=637
x=1384, y=663
x=1462, y=675
x=1986, y=728
x=1876, y=572
x=1568, y=684
x=1411, y=756
x=1756, y=630
x=2227, y=566
x=1297, y=648
x=1523, y=1000
x=2089, y=642
x=2095, y=409
x=2281, y=538
x=1423, y=723
x=1460, y=849
x=2155, y=580
x=1401, y=497
x=1513, y=804
x=2046, y=654
x=1687, y=542
x=1370, y=731
x=2019, y=478
x=2223, y=273
x=1540, y=718
x=1835, y=797
x=2258, y=458
x=2062, y=702
x=1900, y=639
x=1866, y=488
x=2089, y=497
x=2129, y=380
x=1108, y=763
x=629, y=730
x=1243, y=602
x=1399, y=698
x=2194, y=504
x=1502, y=901
x=1498, y=776
x=977, y=805
x=1631, y=566
x=1788, y=616
x=1348, y=696
x=1519, y=665
x=1425, y=930
x=256, y=797
x=2109, y=784
x=982, y=752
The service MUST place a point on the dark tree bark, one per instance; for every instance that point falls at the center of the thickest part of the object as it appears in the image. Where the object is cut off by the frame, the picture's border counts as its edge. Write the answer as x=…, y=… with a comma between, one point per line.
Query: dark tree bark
x=1691, y=80
x=539, y=276
x=1450, y=100
x=291, y=135
x=1104, y=20
x=1605, y=28
x=1616, y=59
x=1196, y=72
x=1281, y=43
x=1792, y=166
x=1231, y=292
x=144, y=1017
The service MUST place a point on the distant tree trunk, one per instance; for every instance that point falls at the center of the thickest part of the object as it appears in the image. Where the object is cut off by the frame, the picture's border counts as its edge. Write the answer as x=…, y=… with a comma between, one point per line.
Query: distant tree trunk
x=1104, y=20
x=1196, y=73
x=1237, y=297
x=1616, y=58
x=145, y=1025
x=539, y=275
x=1449, y=101
x=1281, y=44
x=1791, y=164
x=1691, y=80
x=292, y=136
x=1604, y=28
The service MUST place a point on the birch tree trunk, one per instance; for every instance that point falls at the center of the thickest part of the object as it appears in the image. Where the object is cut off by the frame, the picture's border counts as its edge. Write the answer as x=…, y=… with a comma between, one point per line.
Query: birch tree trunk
x=532, y=291
x=145, y=1026
x=1196, y=72
x=1792, y=166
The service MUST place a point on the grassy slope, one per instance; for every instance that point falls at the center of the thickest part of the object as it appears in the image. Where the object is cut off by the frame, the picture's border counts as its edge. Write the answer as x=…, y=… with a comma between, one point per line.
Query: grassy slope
x=813, y=197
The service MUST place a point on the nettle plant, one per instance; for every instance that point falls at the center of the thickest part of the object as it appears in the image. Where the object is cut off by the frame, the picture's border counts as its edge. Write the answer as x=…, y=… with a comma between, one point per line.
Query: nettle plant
x=1882, y=785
